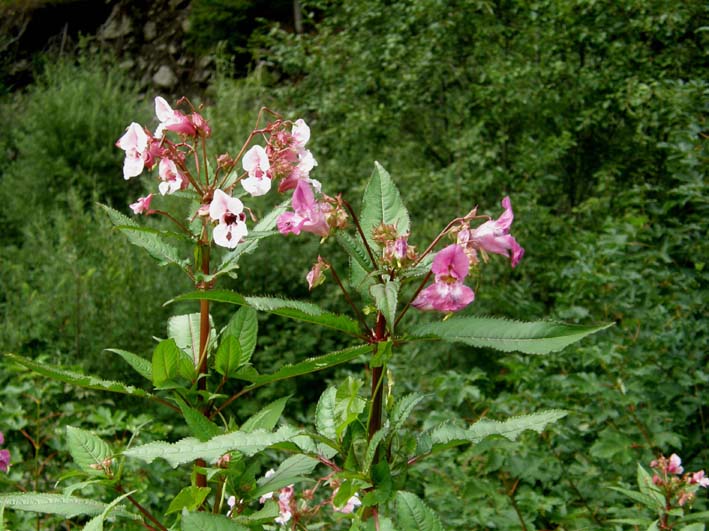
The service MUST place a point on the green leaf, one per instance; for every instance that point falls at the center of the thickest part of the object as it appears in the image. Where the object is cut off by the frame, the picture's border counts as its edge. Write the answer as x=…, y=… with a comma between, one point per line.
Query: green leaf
x=138, y=363
x=371, y=452
x=96, y=523
x=148, y=239
x=382, y=203
x=648, y=488
x=384, y=351
x=87, y=450
x=540, y=337
x=325, y=414
x=403, y=409
x=298, y=310
x=385, y=299
x=265, y=515
x=190, y=498
x=446, y=435
x=307, y=366
x=243, y=327
x=169, y=363
x=643, y=499
x=184, y=329
x=267, y=418
x=199, y=425
x=348, y=404
x=692, y=527
x=295, y=468
x=75, y=378
x=190, y=449
x=203, y=521
x=40, y=502
x=381, y=478
x=229, y=357
x=355, y=249
x=414, y=515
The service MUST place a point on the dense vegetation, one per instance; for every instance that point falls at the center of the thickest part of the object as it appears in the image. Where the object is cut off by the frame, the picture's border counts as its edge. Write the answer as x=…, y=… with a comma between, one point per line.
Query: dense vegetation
x=590, y=115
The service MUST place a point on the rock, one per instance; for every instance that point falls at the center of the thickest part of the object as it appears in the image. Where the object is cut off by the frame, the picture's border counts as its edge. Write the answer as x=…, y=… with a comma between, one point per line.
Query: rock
x=117, y=25
x=150, y=31
x=165, y=77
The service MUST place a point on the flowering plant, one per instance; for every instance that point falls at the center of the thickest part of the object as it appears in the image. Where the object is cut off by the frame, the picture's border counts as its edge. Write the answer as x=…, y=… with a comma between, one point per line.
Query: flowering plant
x=357, y=450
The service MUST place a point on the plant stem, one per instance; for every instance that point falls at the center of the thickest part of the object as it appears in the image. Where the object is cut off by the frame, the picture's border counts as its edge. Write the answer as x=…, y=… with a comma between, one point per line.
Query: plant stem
x=375, y=421
x=355, y=220
x=201, y=479
x=142, y=509
x=354, y=307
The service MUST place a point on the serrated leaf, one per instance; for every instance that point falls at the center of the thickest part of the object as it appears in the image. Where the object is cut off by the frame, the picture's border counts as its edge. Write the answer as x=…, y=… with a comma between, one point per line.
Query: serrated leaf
x=96, y=523
x=381, y=478
x=355, y=249
x=229, y=356
x=402, y=410
x=540, y=337
x=138, y=363
x=203, y=521
x=75, y=378
x=267, y=418
x=298, y=310
x=189, y=498
x=293, y=469
x=184, y=329
x=87, y=450
x=648, y=488
x=414, y=514
x=382, y=203
x=325, y=422
x=692, y=527
x=39, y=502
x=307, y=366
x=243, y=327
x=148, y=239
x=199, y=425
x=372, y=446
x=348, y=404
x=169, y=363
x=448, y=435
x=382, y=353
x=265, y=515
x=190, y=449
x=385, y=299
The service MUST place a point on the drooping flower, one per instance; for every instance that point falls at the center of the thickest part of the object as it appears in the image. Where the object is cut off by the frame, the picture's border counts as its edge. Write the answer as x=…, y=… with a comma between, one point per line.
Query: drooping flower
x=228, y=212
x=172, y=178
x=142, y=205
x=172, y=120
x=674, y=465
x=301, y=134
x=255, y=163
x=135, y=143
x=316, y=275
x=447, y=293
x=308, y=214
x=493, y=236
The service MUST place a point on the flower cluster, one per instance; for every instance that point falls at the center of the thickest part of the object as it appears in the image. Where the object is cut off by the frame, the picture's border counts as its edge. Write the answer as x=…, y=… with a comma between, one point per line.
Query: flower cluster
x=4, y=455
x=286, y=501
x=669, y=477
x=452, y=264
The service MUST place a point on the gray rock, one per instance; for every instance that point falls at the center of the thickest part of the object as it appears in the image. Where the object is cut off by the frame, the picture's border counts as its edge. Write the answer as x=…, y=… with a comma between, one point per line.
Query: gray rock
x=165, y=77
x=117, y=25
x=150, y=31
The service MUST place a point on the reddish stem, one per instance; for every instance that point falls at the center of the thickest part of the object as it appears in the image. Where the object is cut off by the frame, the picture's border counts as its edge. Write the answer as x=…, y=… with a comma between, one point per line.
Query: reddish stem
x=201, y=479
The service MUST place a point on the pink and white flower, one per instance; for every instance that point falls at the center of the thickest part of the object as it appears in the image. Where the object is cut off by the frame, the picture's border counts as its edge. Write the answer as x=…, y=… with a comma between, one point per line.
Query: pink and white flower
x=255, y=163
x=308, y=214
x=493, y=236
x=447, y=293
x=4, y=456
x=350, y=506
x=674, y=466
x=172, y=120
x=172, y=178
x=229, y=213
x=698, y=478
x=142, y=205
x=135, y=143
x=285, y=505
x=301, y=134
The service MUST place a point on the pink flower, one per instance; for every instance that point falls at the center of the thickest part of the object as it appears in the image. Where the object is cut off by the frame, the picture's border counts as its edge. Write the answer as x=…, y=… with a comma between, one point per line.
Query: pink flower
x=447, y=293
x=255, y=163
x=316, y=275
x=301, y=134
x=172, y=179
x=350, y=506
x=494, y=236
x=142, y=205
x=4, y=460
x=172, y=120
x=308, y=214
x=135, y=143
x=698, y=478
x=674, y=465
x=228, y=211
x=285, y=505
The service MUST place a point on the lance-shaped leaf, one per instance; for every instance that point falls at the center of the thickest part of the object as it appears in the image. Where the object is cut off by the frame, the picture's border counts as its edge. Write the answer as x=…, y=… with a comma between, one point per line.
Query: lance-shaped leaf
x=68, y=506
x=169, y=363
x=96, y=523
x=305, y=367
x=295, y=468
x=75, y=378
x=382, y=203
x=540, y=337
x=385, y=298
x=238, y=342
x=184, y=329
x=203, y=521
x=448, y=435
x=266, y=418
x=149, y=239
x=139, y=364
x=190, y=498
x=89, y=451
x=414, y=515
x=199, y=425
x=298, y=310
x=190, y=449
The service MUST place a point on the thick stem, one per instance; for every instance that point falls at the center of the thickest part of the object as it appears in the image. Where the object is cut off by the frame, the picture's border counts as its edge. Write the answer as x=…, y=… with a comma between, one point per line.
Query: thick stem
x=201, y=479
x=375, y=419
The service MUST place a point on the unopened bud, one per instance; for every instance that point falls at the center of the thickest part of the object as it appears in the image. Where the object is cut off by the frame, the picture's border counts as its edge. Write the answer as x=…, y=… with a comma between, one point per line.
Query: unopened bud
x=384, y=233
x=316, y=275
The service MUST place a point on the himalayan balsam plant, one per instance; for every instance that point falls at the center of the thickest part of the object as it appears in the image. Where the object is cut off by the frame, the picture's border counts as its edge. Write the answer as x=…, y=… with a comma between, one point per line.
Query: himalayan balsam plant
x=350, y=464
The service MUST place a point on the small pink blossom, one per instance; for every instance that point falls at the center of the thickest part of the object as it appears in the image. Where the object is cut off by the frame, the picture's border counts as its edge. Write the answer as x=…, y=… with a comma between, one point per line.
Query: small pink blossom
x=674, y=465
x=255, y=163
x=316, y=276
x=172, y=178
x=698, y=478
x=447, y=293
x=135, y=143
x=4, y=460
x=231, y=502
x=301, y=134
x=350, y=506
x=493, y=236
x=228, y=212
x=285, y=505
x=142, y=205
x=172, y=120
x=308, y=214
